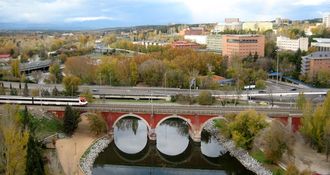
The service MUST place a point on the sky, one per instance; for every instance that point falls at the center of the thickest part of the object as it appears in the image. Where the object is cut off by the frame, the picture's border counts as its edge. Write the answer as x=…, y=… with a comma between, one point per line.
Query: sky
x=93, y=14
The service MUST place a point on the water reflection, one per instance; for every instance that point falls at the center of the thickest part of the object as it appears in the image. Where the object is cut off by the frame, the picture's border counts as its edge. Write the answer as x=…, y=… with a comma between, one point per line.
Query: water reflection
x=210, y=146
x=173, y=153
x=130, y=135
x=172, y=136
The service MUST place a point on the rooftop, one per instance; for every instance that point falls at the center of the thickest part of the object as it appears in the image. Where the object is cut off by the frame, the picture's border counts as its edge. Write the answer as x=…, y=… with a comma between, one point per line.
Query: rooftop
x=319, y=55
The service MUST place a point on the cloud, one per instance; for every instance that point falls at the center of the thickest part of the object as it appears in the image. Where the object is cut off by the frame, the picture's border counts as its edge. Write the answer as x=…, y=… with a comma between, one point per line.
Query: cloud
x=88, y=18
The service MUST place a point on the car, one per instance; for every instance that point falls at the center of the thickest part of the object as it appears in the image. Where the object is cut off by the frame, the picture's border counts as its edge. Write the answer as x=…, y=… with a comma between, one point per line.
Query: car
x=293, y=89
x=262, y=92
x=95, y=90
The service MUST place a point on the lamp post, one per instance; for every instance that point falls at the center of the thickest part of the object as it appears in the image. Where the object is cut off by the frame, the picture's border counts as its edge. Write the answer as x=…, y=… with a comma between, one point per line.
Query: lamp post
x=277, y=66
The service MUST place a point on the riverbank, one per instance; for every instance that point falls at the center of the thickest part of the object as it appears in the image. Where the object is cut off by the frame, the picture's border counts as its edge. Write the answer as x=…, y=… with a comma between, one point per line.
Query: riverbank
x=241, y=155
x=71, y=149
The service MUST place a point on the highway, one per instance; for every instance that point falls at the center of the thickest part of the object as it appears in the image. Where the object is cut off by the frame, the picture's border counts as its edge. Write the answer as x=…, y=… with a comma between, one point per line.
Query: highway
x=281, y=91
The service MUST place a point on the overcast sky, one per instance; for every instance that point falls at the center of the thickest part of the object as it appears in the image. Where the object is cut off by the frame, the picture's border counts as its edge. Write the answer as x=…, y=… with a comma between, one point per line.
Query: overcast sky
x=114, y=13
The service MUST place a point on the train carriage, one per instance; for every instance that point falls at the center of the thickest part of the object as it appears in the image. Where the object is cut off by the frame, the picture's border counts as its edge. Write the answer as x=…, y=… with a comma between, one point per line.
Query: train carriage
x=62, y=101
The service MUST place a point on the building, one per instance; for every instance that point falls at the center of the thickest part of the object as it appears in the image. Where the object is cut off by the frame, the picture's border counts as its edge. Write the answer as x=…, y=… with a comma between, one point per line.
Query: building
x=326, y=20
x=192, y=31
x=243, y=45
x=199, y=39
x=231, y=20
x=257, y=26
x=150, y=43
x=220, y=27
x=214, y=42
x=321, y=44
x=315, y=62
x=5, y=57
x=286, y=43
x=185, y=44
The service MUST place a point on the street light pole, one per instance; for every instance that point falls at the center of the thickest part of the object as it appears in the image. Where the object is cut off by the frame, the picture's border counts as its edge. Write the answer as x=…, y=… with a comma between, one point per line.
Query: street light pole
x=277, y=68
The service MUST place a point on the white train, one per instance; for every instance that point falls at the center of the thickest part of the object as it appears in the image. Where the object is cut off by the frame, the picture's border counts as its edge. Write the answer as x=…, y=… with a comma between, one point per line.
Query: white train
x=81, y=101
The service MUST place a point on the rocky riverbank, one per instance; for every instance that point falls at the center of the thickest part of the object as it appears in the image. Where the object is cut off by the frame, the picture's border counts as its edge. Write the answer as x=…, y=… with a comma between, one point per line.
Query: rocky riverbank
x=87, y=160
x=240, y=154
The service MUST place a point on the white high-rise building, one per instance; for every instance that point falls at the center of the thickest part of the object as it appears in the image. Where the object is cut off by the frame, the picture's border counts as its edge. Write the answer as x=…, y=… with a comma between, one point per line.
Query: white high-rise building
x=326, y=20
x=285, y=43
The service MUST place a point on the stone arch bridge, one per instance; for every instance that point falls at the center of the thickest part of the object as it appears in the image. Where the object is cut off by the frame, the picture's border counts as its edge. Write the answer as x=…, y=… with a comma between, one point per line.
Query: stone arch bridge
x=195, y=116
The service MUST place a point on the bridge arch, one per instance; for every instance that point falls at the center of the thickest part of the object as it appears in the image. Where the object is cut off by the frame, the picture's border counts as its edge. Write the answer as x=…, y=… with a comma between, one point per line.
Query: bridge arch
x=175, y=116
x=132, y=115
x=208, y=120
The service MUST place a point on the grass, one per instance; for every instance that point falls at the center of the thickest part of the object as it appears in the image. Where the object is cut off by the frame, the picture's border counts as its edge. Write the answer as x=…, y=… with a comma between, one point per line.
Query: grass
x=46, y=127
x=260, y=156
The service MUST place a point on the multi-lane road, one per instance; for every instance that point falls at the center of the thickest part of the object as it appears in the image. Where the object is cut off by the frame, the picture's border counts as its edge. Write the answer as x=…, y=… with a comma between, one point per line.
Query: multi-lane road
x=274, y=90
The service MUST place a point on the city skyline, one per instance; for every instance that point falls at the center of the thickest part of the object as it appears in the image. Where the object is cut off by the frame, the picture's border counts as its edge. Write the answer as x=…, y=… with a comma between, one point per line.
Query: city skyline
x=87, y=14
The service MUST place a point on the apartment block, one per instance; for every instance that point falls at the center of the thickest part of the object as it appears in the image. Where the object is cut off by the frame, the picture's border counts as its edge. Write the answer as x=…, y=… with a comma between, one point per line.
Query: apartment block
x=321, y=44
x=315, y=62
x=285, y=43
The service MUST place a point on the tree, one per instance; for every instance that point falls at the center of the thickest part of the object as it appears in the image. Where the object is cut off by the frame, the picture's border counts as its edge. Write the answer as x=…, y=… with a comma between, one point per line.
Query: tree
x=2, y=90
x=327, y=138
x=55, y=92
x=56, y=74
x=34, y=162
x=152, y=72
x=15, y=68
x=97, y=124
x=134, y=73
x=37, y=75
x=301, y=101
x=278, y=140
x=205, y=98
x=13, y=91
x=71, y=84
x=45, y=93
x=26, y=90
x=244, y=127
x=260, y=84
x=14, y=142
x=70, y=120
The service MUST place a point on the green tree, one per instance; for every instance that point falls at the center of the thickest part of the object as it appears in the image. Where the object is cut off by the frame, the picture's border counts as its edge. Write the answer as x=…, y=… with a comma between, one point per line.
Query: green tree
x=244, y=127
x=70, y=120
x=205, y=98
x=34, y=162
x=13, y=91
x=278, y=140
x=71, y=84
x=97, y=124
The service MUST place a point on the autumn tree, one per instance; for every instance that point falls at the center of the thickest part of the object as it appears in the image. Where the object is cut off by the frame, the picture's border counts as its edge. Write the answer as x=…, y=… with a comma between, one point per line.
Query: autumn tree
x=134, y=73
x=301, y=101
x=278, y=140
x=152, y=72
x=86, y=70
x=97, y=124
x=205, y=98
x=15, y=68
x=14, y=143
x=55, y=73
x=71, y=84
x=243, y=127
x=70, y=120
